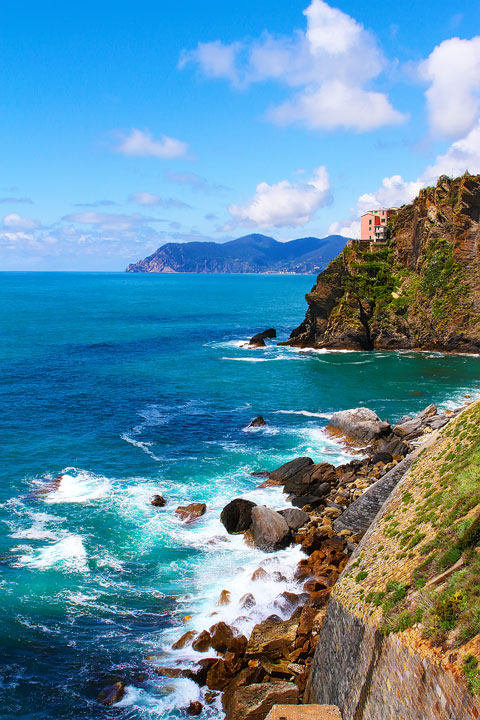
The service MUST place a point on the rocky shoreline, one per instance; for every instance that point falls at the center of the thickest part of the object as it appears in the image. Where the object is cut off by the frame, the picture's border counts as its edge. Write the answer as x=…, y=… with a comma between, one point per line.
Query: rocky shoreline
x=249, y=675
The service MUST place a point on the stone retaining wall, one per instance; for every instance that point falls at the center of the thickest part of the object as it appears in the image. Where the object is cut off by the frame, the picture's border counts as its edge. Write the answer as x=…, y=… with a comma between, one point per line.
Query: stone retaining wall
x=373, y=677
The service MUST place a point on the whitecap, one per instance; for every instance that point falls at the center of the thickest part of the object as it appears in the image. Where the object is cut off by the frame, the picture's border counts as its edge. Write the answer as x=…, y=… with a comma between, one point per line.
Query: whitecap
x=67, y=554
x=78, y=486
x=307, y=413
x=142, y=445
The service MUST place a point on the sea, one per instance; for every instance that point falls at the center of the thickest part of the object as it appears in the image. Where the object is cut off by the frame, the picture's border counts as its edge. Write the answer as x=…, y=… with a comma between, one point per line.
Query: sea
x=122, y=386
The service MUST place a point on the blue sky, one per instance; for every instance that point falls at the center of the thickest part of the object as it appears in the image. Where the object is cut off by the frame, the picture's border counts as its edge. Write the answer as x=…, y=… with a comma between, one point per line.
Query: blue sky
x=127, y=125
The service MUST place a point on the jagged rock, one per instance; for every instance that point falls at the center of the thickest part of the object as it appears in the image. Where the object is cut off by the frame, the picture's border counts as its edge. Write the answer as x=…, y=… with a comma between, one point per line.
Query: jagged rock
x=158, y=501
x=253, y=702
x=190, y=513
x=382, y=457
x=112, y=694
x=429, y=411
x=224, y=598
x=171, y=672
x=312, y=500
x=185, y=640
x=221, y=636
x=237, y=515
x=202, y=642
x=396, y=447
x=359, y=425
x=411, y=426
x=319, y=474
x=195, y=708
x=271, y=638
x=252, y=674
x=294, y=517
x=435, y=423
x=200, y=671
x=270, y=530
x=258, y=340
x=218, y=675
x=290, y=470
x=259, y=421
x=247, y=601
x=260, y=574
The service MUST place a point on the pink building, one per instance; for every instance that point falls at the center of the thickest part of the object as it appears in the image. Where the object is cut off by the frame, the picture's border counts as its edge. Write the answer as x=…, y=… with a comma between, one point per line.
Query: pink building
x=373, y=225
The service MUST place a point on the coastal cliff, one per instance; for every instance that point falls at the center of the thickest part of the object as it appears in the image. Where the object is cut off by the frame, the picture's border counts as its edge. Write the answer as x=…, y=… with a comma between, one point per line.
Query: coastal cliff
x=401, y=634
x=419, y=290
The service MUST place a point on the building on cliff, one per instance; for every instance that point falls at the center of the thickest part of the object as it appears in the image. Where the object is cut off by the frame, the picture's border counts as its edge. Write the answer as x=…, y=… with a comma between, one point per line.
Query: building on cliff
x=373, y=225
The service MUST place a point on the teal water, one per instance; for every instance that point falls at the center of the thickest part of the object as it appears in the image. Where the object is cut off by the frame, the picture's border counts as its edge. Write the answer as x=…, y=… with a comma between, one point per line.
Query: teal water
x=128, y=385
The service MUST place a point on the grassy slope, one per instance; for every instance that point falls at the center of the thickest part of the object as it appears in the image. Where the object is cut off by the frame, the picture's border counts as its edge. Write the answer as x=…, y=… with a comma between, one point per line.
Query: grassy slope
x=431, y=523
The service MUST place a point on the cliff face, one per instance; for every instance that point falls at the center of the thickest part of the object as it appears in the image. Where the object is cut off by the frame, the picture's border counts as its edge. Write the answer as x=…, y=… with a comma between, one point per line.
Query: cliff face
x=401, y=635
x=420, y=291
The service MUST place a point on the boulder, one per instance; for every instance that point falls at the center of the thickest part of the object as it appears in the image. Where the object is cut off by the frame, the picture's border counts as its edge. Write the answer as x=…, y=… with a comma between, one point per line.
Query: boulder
x=112, y=693
x=429, y=411
x=259, y=421
x=407, y=428
x=252, y=674
x=254, y=702
x=224, y=598
x=260, y=574
x=185, y=640
x=303, y=500
x=396, y=447
x=320, y=489
x=202, y=642
x=247, y=601
x=317, y=474
x=237, y=515
x=290, y=471
x=200, y=670
x=258, y=340
x=294, y=517
x=271, y=638
x=359, y=425
x=435, y=423
x=382, y=457
x=270, y=530
x=222, y=636
x=190, y=513
x=218, y=675
x=195, y=708
x=158, y=501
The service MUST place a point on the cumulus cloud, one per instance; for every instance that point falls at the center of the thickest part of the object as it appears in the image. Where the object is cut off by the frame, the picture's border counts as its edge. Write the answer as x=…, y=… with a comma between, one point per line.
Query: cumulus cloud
x=329, y=65
x=150, y=199
x=142, y=144
x=12, y=221
x=348, y=228
x=462, y=155
x=285, y=204
x=393, y=192
x=453, y=71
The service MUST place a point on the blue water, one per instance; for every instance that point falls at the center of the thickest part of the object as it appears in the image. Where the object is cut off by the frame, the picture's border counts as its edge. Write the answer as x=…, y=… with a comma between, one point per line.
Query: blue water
x=128, y=385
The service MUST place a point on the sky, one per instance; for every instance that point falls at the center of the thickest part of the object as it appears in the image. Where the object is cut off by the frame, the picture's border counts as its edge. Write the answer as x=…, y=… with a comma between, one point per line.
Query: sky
x=124, y=126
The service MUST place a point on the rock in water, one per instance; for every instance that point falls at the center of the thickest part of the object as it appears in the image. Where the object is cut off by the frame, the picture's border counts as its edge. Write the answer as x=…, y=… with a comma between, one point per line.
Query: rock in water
x=190, y=513
x=270, y=530
x=290, y=471
x=259, y=421
x=112, y=694
x=237, y=515
x=158, y=501
x=195, y=708
x=259, y=339
x=359, y=425
x=253, y=702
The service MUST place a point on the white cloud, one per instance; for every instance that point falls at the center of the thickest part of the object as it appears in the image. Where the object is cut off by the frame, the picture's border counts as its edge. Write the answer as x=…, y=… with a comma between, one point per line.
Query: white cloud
x=336, y=104
x=150, y=199
x=142, y=144
x=462, y=155
x=16, y=222
x=110, y=221
x=329, y=63
x=348, y=228
x=394, y=191
x=285, y=204
x=453, y=70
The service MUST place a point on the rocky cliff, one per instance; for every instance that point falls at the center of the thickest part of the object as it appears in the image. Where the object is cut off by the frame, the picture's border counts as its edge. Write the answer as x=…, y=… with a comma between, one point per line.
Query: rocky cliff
x=401, y=635
x=421, y=290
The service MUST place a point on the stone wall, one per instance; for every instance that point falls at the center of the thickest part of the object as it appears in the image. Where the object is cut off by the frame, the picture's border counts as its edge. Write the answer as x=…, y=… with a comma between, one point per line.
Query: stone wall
x=373, y=677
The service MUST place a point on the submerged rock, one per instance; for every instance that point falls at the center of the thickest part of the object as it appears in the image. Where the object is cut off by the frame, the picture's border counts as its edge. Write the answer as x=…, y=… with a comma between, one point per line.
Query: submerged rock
x=190, y=513
x=237, y=515
x=270, y=530
x=112, y=693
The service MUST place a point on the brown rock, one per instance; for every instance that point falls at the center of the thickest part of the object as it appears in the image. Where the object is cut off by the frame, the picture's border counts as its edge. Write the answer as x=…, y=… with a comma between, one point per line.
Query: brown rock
x=195, y=708
x=171, y=672
x=199, y=672
x=202, y=642
x=224, y=598
x=218, y=675
x=185, y=640
x=271, y=638
x=112, y=693
x=260, y=574
x=190, y=513
x=259, y=421
x=270, y=530
x=158, y=501
x=222, y=636
x=253, y=702
x=247, y=601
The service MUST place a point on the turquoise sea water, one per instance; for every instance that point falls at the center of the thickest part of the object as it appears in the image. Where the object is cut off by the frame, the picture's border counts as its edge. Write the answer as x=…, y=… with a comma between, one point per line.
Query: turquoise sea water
x=128, y=385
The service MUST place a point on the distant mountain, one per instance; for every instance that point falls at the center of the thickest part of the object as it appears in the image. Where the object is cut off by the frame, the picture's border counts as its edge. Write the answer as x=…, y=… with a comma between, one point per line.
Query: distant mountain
x=249, y=254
